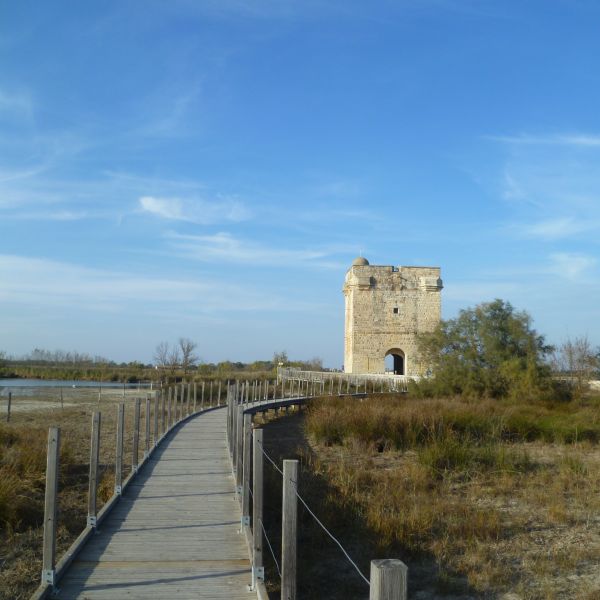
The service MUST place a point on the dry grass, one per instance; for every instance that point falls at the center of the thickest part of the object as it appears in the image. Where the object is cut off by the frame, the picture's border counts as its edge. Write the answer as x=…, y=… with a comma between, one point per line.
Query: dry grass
x=22, y=481
x=480, y=500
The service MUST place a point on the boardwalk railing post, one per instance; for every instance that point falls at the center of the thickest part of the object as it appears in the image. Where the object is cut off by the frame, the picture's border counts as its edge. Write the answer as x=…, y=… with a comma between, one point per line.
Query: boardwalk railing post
x=289, y=528
x=147, y=424
x=239, y=450
x=389, y=578
x=210, y=402
x=258, y=569
x=50, y=506
x=189, y=393
x=195, y=395
x=119, y=450
x=94, y=459
x=202, y=397
x=246, y=468
x=156, y=436
x=234, y=435
x=219, y=394
x=162, y=412
x=169, y=402
x=8, y=406
x=136, y=436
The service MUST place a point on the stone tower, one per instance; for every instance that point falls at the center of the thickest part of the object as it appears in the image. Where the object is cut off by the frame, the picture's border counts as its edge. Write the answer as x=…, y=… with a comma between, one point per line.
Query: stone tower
x=386, y=307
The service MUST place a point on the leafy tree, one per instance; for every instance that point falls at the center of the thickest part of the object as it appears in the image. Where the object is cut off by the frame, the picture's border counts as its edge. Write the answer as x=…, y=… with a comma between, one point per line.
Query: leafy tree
x=490, y=350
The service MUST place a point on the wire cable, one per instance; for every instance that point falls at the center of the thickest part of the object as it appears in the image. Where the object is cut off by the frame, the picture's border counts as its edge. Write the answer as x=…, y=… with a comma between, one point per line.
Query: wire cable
x=312, y=514
x=270, y=548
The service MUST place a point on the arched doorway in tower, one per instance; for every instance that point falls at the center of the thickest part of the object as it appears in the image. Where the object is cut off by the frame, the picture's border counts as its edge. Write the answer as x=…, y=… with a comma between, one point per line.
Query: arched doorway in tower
x=395, y=362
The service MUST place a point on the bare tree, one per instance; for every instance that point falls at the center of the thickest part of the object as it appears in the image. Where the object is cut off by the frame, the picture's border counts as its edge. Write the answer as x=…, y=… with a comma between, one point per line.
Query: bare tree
x=579, y=361
x=161, y=355
x=173, y=360
x=188, y=357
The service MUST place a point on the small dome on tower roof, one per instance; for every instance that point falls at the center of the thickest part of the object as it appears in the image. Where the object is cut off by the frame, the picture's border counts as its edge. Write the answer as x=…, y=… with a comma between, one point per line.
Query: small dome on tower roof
x=361, y=261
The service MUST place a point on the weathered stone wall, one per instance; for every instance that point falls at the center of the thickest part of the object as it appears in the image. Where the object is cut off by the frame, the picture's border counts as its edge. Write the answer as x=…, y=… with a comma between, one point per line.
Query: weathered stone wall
x=386, y=307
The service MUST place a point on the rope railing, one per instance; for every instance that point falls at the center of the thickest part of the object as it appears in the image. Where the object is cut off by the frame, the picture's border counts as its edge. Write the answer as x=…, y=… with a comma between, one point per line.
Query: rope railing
x=388, y=577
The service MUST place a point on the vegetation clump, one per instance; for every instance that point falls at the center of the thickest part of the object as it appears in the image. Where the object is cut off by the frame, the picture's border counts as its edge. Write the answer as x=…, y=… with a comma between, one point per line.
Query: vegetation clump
x=463, y=489
x=487, y=351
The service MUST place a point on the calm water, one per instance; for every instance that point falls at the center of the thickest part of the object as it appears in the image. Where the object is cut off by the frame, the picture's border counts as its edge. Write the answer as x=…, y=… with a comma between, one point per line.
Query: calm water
x=22, y=387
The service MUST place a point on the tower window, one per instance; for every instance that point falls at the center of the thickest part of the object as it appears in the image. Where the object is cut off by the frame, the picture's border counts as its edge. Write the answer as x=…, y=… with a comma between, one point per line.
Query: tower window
x=396, y=310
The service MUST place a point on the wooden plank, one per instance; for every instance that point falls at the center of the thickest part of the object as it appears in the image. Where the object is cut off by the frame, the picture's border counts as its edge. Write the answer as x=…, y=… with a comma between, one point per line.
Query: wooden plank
x=174, y=533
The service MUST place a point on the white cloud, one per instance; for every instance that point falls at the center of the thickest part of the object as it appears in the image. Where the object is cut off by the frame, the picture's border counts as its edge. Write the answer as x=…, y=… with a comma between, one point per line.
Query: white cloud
x=225, y=247
x=46, y=284
x=554, y=229
x=195, y=211
x=571, y=266
x=575, y=139
x=16, y=104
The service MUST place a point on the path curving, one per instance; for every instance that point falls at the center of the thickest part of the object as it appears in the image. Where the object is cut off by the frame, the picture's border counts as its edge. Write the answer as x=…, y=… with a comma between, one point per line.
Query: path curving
x=175, y=531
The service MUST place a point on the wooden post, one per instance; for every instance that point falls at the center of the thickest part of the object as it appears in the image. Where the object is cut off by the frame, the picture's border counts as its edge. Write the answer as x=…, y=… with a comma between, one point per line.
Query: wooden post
x=234, y=425
x=202, y=398
x=289, y=527
x=169, y=407
x=211, y=395
x=195, y=395
x=181, y=413
x=219, y=394
x=246, y=468
x=136, y=436
x=155, y=419
x=189, y=394
x=389, y=578
x=239, y=448
x=147, y=424
x=50, y=506
x=258, y=569
x=8, y=407
x=162, y=412
x=119, y=450
x=61, y=399
x=94, y=460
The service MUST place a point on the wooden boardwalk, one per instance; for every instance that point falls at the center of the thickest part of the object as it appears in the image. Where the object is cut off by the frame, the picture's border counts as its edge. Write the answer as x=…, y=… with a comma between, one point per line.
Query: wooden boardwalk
x=175, y=532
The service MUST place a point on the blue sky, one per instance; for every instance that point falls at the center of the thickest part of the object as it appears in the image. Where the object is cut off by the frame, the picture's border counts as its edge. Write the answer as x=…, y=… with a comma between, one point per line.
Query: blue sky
x=210, y=168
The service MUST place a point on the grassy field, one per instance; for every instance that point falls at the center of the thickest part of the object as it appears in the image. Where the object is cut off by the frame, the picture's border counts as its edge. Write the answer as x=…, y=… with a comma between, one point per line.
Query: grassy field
x=480, y=499
x=22, y=479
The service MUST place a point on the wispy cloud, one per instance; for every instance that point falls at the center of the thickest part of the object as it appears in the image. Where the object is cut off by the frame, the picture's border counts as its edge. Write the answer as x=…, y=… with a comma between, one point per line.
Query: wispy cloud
x=584, y=140
x=555, y=229
x=38, y=282
x=195, y=211
x=572, y=266
x=224, y=247
x=16, y=104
